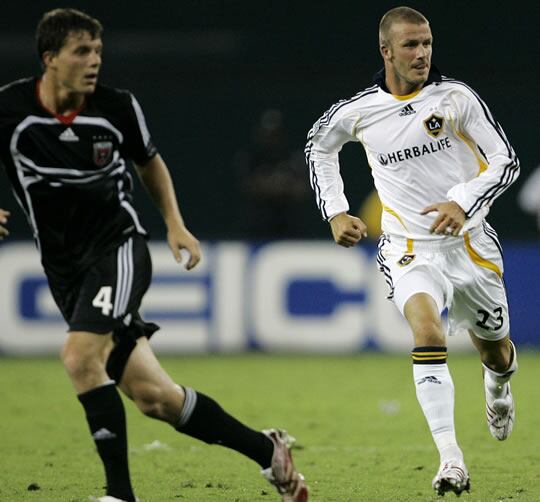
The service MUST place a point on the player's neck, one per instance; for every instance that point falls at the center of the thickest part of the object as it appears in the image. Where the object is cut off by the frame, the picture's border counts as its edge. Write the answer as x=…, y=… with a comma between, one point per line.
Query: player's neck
x=400, y=87
x=57, y=99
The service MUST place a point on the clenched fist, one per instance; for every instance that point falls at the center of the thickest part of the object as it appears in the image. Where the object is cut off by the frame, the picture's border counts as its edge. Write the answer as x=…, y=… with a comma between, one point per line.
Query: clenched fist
x=347, y=230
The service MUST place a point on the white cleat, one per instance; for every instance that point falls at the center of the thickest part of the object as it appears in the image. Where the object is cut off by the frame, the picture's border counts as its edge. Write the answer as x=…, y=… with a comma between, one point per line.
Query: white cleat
x=289, y=483
x=453, y=476
x=500, y=414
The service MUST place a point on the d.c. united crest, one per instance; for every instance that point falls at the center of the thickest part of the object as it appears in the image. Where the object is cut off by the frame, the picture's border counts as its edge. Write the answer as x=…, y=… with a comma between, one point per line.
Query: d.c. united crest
x=434, y=125
x=102, y=153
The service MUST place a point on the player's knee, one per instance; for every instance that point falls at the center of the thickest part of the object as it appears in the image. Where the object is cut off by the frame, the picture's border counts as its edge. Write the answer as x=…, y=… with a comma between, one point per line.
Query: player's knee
x=496, y=362
x=428, y=333
x=150, y=399
x=498, y=357
x=80, y=366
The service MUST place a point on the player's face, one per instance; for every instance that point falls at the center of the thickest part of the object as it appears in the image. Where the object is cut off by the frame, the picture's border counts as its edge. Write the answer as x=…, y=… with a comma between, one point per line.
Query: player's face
x=409, y=54
x=77, y=63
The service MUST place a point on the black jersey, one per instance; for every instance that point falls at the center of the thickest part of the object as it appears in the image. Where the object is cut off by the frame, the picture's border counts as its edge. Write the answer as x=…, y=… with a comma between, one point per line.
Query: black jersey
x=69, y=174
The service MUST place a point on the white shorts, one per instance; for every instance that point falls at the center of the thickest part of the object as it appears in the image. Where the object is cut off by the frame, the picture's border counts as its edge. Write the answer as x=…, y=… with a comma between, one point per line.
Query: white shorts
x=463, y=274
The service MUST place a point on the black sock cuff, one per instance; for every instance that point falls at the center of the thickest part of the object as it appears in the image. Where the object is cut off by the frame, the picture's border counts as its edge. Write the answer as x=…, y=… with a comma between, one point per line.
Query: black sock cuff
x=100, y=397
x=197, y=407
x=429, y=355
x=190, y=401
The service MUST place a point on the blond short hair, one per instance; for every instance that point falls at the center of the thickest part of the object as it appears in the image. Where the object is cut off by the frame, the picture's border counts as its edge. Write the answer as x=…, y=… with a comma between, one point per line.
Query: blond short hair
x=401, y=14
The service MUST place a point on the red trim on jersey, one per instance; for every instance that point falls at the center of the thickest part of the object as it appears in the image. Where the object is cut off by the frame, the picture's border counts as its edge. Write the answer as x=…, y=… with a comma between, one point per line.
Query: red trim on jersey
x=65, y=119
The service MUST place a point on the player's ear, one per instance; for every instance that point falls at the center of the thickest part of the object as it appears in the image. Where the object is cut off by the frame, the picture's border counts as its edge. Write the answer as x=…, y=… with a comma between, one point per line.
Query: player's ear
x=47, y=59
x=385, y=51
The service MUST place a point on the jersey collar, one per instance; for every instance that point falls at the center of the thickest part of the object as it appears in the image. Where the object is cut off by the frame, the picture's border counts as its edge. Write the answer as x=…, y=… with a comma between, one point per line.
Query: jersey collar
x=65, y=119
x=380, y=78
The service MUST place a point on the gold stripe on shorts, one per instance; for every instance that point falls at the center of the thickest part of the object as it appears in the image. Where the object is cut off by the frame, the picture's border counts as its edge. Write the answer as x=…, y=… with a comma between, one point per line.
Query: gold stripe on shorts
x=476, y=258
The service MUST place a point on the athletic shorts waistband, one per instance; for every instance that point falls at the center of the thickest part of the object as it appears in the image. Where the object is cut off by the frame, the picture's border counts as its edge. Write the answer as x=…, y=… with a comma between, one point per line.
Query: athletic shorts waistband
x=442, y=243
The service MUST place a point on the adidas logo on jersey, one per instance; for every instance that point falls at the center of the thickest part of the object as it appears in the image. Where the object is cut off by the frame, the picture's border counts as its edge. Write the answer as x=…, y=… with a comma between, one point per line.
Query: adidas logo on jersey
x=408, y=110
x=68, y=135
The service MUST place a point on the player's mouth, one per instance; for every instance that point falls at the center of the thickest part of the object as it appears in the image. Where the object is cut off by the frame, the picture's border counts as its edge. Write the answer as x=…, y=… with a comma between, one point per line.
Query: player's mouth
x=91, y=78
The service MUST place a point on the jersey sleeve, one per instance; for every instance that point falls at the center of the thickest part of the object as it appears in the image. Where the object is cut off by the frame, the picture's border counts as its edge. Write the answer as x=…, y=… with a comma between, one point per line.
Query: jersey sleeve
x=325, y=140
x=138, y=145
x=477, y=122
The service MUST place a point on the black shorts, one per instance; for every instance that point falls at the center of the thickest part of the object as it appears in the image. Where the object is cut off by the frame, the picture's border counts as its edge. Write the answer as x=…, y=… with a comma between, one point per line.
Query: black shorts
x=107, y=297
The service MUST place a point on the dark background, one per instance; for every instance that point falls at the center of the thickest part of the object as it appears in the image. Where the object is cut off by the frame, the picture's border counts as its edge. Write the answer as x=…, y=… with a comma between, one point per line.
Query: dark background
x=204, y=71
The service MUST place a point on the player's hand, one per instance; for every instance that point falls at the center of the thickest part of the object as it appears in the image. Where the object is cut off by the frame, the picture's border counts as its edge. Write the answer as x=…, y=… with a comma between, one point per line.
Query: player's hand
x=347, y=230
x=450, y=219
x=4, y=215
x=181, y=238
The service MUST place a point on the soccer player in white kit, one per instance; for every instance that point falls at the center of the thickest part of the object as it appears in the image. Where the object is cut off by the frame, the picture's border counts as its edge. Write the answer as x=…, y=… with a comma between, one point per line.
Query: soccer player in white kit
x=439, y=159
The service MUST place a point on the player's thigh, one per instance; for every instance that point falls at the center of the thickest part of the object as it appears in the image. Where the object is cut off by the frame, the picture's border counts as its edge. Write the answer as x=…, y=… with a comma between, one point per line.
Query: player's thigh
x=480, y=304
x=422, y=279
x=84, y=356
x=424, y=318
x=409, y=274
x=88, y=345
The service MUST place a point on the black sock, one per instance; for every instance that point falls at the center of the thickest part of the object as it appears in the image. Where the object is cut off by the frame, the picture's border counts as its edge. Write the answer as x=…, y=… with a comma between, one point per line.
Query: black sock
x=107, y=421
x=204, y=419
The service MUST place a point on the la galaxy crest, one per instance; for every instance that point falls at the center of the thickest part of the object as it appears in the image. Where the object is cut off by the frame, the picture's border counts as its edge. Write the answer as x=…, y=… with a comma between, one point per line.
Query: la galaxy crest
x=434, y=125
x=406, y=259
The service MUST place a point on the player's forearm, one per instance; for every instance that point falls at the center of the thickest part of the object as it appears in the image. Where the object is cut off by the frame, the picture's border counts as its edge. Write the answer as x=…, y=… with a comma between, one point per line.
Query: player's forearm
x=157, y=180
x=327, y=185
x=325, y=141
x=481, y=191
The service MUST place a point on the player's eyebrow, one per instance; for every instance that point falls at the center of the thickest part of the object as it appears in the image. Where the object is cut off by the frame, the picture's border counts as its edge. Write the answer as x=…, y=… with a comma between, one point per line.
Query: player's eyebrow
x=417, y=40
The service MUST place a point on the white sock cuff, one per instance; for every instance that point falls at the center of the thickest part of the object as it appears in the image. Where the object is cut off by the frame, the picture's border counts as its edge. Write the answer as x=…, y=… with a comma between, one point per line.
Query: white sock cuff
x=421, y=371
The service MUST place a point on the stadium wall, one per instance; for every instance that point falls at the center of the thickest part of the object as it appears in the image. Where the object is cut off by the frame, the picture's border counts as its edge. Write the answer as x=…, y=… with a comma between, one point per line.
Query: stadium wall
x=304, y=296
x=205, y=71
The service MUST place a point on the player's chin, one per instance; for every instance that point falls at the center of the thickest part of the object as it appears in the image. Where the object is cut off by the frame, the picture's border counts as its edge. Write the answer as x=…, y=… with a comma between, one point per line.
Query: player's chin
x=419, y=78
x=88, y=87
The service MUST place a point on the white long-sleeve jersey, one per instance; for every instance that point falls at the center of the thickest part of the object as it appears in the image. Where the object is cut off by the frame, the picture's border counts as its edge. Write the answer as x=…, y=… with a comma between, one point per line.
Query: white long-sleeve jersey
x=441, y=143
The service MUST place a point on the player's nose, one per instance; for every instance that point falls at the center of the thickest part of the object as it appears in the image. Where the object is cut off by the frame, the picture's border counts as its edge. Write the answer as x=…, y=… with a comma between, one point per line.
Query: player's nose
x=96, y=59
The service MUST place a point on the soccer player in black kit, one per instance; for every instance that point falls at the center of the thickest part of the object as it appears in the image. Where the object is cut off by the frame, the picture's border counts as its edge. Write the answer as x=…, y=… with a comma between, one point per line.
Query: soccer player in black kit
x=64, y=142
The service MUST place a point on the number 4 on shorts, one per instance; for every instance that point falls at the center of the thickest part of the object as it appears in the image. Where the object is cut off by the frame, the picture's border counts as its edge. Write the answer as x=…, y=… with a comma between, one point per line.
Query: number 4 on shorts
x=103, y=300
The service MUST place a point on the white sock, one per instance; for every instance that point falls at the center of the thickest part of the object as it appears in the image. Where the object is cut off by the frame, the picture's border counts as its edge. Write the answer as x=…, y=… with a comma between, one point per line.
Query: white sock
x=435, y=393
x=496, y=382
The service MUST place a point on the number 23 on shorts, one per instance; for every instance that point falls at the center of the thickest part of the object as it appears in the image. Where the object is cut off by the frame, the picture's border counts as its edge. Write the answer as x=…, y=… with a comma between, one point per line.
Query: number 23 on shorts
x=485, y=315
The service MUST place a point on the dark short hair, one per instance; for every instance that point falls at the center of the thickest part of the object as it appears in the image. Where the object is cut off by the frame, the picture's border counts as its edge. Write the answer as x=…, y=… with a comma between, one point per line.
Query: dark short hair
x=398, y=15
x=56, y=25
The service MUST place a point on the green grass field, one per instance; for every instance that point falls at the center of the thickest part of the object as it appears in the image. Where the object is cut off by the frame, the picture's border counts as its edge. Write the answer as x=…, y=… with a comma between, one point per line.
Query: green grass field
x=361, y=435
